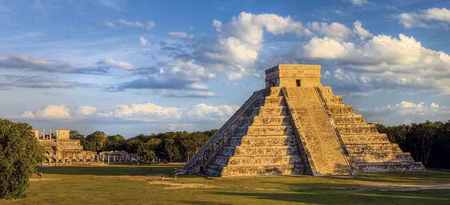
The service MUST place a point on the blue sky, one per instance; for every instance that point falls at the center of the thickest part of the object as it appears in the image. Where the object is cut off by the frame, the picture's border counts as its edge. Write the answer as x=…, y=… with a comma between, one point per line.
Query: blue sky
x=134, y=67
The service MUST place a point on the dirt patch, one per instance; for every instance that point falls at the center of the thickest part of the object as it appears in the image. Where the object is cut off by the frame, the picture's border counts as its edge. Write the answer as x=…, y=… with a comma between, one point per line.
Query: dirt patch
x=40, y=179
x=176, y=185
x=167, y=182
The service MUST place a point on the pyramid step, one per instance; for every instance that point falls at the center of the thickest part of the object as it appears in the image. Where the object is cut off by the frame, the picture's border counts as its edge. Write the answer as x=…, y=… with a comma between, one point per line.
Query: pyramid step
x=377, y=157
x=342, y=119
x=355, y=125
x=332, y=105
x=262, y=150
x=341, y=110
x=269, y=130
x=261, y=170
x=373, y=148
x=277, y=111
x=262, y=141
x=389, y=166
x=350, y=141
x=281, y=120
x=259, y=160
x=334, y=99
x=357, y=130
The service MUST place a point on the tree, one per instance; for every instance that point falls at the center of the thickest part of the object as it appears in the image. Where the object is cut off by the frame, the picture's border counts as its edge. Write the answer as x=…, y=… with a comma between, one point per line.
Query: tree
x=172, y=149
x=20, y=153
x=428, y=142
x=146, y=153
x=78, y=136
x=115, y=142
x=96, y=141
x=75, y=135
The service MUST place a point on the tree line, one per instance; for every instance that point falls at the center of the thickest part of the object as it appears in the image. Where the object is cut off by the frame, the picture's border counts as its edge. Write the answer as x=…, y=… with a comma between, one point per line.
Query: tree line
x=163, y=147
x=428, y=142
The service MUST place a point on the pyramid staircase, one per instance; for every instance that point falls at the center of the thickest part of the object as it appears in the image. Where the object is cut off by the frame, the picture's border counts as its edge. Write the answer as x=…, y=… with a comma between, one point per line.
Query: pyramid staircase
x=290, y=130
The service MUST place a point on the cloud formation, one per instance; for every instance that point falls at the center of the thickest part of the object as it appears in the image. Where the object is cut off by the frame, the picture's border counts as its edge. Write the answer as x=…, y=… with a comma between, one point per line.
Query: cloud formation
x=36, y=82
x=425, y=18
x=87, y=110
x=122, y=23
x=358, y=2
x=210, y=112
x=29, y=63
x=407, y=111
x=240, y=41
x=384, y=60
x=178, y=74
x=60, y=112
x=109, y=62
x=182, y=35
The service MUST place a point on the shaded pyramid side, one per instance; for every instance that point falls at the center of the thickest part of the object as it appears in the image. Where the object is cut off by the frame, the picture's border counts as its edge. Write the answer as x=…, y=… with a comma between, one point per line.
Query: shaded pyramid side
x=259, y=139
x=368, y=150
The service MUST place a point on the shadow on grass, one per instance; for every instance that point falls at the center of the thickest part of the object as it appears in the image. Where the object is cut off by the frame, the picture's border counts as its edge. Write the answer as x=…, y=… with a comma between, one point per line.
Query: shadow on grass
x=321, y=196
x=203, y=203
x=116, y=170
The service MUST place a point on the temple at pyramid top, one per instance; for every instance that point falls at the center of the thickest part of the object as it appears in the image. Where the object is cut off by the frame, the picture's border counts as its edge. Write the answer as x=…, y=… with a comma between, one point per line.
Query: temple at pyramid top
x=293, y=75
x=296, y=125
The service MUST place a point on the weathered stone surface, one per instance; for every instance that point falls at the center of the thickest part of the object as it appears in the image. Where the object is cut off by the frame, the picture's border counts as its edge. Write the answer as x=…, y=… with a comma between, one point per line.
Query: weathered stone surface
x=297, y=126
x=61, y=150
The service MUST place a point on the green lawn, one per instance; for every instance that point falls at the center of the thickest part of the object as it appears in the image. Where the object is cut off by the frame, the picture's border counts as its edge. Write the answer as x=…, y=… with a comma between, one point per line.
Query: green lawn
x=144, y=185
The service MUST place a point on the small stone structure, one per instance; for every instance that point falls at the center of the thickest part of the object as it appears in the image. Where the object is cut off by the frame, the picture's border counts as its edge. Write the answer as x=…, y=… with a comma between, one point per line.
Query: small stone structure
x=61, y=150
x=118, y=157
x=297, y=126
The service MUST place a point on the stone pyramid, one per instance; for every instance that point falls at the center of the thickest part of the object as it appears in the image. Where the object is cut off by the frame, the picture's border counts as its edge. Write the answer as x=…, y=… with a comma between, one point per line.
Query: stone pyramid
x=297, y=126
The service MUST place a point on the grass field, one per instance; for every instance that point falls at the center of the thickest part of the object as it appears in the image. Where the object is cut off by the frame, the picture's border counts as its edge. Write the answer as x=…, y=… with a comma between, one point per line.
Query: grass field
x=145, y=185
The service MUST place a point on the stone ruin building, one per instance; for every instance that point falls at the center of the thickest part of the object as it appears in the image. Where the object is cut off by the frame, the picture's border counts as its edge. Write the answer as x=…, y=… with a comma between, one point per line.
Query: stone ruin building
x=294, y=126
x=59, y=149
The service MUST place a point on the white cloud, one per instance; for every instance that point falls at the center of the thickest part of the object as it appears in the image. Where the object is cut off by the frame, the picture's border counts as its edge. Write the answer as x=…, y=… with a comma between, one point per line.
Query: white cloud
x=87, y=110
x=412, y=108
x=177, y=34
x=146, y=25
x=49, y=112
x=239, y=42
x=407, y=111
x=385, y=60
x=425, y=18
x=143, y=41
x=211, y=112
x=116, y=64
x=149, y=112
x=145, y=112
x=187, y=69
x=326, y=48
x=361, y=31
x=332, y=30
x=359, y=2
x=434, y=106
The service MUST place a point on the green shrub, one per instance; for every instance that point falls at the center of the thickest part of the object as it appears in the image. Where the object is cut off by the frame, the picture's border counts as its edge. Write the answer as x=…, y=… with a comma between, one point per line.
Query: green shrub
x=19, y=155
